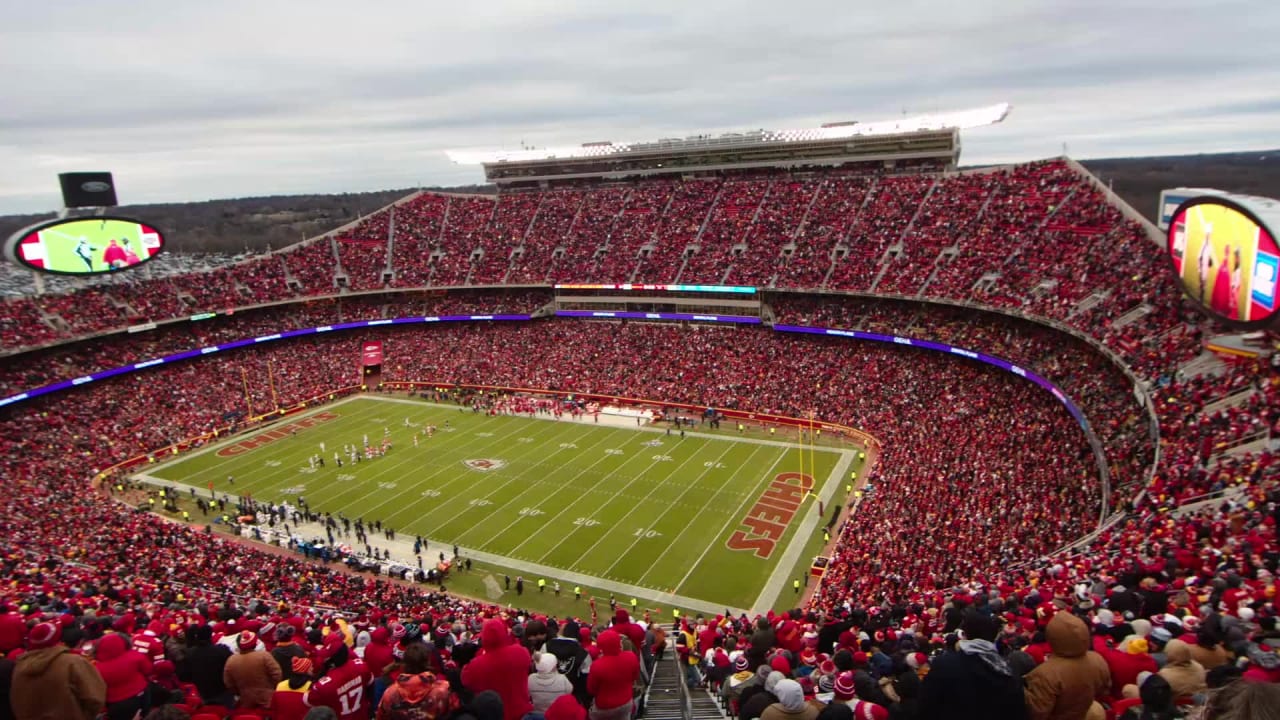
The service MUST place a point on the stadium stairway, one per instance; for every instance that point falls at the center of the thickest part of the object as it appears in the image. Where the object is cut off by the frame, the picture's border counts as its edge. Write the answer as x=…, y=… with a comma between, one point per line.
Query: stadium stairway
x=664, y=699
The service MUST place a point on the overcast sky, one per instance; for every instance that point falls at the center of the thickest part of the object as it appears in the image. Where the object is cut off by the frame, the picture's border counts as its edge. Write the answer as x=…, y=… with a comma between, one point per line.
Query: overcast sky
x=188, y=100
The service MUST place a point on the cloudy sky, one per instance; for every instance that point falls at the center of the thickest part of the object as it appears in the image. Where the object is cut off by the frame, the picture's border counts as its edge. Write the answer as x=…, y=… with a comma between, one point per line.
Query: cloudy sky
x=188, y=100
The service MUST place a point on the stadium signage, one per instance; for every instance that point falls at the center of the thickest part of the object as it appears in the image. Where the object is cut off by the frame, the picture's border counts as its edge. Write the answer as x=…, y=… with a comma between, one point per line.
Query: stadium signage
x=96, y=245
x=626, y=287
x=277, y=433
x=691, y=317
x=766, y=522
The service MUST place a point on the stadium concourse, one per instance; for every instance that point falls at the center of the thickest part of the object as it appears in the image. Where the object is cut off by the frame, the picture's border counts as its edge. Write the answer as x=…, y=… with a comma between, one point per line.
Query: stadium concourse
x=985, y=514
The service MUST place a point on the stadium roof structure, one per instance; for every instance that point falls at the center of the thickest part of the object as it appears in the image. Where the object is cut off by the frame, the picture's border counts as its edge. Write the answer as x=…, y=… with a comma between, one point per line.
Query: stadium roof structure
x=929, y=138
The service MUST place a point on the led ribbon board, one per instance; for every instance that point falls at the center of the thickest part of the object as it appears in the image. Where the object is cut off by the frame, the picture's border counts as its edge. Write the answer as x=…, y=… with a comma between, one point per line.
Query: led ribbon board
x=213, y=349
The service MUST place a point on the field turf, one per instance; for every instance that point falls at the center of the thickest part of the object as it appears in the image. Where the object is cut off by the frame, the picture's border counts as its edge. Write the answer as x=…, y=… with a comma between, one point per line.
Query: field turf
x=619, y=503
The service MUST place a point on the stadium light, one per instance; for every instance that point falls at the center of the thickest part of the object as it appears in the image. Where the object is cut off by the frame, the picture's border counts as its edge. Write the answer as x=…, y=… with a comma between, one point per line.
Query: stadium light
x=960, y=120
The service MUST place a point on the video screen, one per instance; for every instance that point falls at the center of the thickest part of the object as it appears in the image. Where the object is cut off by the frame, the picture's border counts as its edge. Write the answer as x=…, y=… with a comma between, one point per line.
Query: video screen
x=1225, y=259
x=86, y=246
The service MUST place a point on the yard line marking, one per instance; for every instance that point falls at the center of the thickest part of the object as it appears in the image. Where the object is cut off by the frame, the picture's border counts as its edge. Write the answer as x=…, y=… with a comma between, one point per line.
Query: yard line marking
x=657, y=562
x=533, y=485
x=569, y=506
x=444, y=469
x=735, y=517
x=683, y=495
x=653, y=488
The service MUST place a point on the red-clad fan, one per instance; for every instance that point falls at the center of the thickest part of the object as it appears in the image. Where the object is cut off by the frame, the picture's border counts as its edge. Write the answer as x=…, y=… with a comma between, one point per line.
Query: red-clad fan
x=148, y=641
x=611, y=678
x=125, y=671
x=501, y=666
x=345, y=684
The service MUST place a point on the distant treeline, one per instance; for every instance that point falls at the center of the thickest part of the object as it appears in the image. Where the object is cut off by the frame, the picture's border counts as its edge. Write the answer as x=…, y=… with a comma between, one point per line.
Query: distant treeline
x=256, y=223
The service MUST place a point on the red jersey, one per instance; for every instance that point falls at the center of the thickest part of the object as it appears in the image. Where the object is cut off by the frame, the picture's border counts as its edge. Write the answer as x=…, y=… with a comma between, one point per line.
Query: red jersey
x=345, y=690
x=149, y=645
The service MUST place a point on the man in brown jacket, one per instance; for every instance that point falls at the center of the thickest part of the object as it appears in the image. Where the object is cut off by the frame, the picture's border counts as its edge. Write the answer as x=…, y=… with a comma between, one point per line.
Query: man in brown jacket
x=1064, y=687
x=251, y=673
x=51, y=683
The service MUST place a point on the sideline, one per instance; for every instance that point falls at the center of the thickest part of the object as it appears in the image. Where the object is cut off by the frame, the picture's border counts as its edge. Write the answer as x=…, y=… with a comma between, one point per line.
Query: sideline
x=401, y=548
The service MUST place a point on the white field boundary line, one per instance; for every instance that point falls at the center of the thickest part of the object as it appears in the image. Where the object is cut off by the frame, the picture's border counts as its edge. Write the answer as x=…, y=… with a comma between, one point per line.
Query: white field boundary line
x=777, y=580
x=651, y=430
x=705, y=470
x=734, y=517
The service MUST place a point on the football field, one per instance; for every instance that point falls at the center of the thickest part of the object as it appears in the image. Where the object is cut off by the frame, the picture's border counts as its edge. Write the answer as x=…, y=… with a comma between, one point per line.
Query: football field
x=707, y=516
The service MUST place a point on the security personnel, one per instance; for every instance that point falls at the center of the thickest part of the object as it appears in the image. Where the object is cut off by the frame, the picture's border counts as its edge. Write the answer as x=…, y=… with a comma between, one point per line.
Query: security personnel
x=542, y=584
x=796, y=585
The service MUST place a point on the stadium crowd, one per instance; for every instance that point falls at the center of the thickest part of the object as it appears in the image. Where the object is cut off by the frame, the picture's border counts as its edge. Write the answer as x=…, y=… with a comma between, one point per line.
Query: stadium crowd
x=1013, y=500
x=954, y=582
x=1037, y=237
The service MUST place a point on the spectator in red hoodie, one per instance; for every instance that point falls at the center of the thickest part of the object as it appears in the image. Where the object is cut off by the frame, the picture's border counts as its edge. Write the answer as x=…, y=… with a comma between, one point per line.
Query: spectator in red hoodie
x=502, y=666
x=611, y=679
x=378, y=654
x=125, y=672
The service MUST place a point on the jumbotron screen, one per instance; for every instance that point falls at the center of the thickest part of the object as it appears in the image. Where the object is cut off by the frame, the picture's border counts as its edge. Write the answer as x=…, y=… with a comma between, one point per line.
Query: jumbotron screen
x=86, y=246
x=1226, y=259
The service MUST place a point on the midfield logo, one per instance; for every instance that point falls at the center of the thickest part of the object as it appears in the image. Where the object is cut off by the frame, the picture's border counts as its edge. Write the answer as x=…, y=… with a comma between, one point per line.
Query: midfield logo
x=484, y=464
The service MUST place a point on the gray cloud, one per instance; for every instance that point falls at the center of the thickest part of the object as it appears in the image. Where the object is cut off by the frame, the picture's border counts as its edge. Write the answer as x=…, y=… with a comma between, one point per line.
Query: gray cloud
x=192, y=101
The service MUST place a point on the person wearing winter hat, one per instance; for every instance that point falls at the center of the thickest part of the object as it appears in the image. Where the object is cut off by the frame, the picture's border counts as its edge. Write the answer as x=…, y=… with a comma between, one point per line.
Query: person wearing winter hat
x=1126, y=662
x=502, y=665
x=251, y=674
x=973, y=681
x=51, y=682
x=741, y=679
x=612, y=678
x=286, y=702
x=1185, y=676
x=572, y=659
x=125, y=672
x=790, y=705
x=1157, y=701
x=286, y=649
x=546, y=683
x=363, y=638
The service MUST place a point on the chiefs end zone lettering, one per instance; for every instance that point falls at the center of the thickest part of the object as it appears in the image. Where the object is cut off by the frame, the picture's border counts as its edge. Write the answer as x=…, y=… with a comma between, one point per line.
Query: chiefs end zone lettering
x=767, y=520
x=276, y=433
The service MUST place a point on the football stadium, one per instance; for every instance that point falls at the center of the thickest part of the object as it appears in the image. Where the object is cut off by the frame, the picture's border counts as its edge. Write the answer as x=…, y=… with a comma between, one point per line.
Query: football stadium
x=809, y=422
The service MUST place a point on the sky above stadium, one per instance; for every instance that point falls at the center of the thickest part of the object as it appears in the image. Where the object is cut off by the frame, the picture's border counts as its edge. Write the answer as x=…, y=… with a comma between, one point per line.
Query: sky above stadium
x=192, y=101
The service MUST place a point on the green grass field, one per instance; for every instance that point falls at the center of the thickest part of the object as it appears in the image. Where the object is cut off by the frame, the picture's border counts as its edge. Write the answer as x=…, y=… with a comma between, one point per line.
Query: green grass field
x=622, y=504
